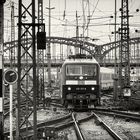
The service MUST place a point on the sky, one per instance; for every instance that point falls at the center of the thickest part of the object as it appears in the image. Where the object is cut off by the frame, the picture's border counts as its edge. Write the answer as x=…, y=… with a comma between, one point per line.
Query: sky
x=63, y=18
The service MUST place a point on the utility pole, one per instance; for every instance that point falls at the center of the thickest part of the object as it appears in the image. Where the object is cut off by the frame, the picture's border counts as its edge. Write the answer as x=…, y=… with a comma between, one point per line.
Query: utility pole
x=84, y=23
x=77, y=33
x=85, y=20
x=27, y=51
x=115, y=64
x=12, y=51
x=88, y=20
x=49, y=47
x=1, y=69
x=124, y=69
x=40, y=55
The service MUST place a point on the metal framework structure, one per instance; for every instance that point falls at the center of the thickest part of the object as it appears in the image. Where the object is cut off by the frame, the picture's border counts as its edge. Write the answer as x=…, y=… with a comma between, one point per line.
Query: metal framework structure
x=40, y=56
x=93, y=49
x=124, y=68
x=89, y=47
x=106, y=48
x=1, y=68
x=26, y=73
x=49, y=46
x=12, y=52
x=77, y=33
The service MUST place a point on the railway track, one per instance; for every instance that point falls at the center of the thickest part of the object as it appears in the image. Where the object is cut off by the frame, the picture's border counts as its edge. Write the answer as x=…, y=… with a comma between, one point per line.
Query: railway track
x=120, y=114
x=96, y=125
x=23, y=105
x=94, y=134
x=127, y=125
x=41, y=125
x=80, y=126
x=7, y=106
x=92, y=127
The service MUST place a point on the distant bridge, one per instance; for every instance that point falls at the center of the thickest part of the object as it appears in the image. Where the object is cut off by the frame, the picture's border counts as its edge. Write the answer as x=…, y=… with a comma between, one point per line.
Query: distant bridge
x=59, y=62
x=98, y=51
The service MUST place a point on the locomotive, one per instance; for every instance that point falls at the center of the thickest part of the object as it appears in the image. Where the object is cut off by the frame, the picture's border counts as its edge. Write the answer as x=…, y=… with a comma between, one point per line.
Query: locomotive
x=80, y=82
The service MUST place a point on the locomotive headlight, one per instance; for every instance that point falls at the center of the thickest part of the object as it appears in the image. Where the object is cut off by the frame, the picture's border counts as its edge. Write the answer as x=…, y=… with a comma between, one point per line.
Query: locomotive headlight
x=81, y=77
x=69, y=88
x=92, y=88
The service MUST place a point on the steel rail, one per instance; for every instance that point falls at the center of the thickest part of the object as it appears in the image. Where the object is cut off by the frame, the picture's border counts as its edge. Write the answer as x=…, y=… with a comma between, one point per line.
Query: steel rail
x=40, y=125
x=78, y=131
x=14, y=108
x=57, y=105
x=109, y=130
x=135, y=117
x=65, y=124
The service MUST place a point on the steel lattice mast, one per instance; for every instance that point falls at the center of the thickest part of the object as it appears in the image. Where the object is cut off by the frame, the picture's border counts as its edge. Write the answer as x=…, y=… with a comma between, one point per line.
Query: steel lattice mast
x=26, y=73
x=12, y=51
x=124, y=70
x=1, y=68
x=40, y=55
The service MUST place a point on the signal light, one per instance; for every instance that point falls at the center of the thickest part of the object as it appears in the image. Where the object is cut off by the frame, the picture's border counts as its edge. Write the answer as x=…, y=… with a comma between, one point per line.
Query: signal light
x=41, y=40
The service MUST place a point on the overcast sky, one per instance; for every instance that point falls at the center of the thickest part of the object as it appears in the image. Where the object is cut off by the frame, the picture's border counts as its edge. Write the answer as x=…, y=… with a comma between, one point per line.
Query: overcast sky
x=64, y=25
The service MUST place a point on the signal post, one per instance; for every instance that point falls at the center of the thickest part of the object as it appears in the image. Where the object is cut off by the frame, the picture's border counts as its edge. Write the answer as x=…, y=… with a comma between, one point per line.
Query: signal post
x=10, y=77
x=1, y=100
x=1, y=70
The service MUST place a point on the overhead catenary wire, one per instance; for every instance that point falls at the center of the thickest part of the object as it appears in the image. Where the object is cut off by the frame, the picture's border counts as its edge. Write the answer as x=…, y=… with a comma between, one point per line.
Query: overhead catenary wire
x=70, y=14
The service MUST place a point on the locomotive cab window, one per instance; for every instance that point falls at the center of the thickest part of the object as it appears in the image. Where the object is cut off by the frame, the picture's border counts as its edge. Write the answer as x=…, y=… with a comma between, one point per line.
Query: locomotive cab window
x=84, y=70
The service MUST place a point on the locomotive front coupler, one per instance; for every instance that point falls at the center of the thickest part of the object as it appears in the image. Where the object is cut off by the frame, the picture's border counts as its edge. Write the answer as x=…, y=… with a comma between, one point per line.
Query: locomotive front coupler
x=88, y=99
x=74, y=99
x=81, y=103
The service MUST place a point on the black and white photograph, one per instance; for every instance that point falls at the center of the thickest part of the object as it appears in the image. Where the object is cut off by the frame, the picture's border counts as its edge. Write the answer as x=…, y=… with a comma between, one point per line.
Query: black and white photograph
x=69, y=69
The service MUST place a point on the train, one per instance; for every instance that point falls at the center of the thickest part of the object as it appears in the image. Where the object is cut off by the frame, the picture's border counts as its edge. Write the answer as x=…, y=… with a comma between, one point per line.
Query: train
x=81, y=80
x=106, y=77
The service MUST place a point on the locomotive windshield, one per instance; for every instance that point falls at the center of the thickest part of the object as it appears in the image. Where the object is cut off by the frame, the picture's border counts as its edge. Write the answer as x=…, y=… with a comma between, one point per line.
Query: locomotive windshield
x=84, y=70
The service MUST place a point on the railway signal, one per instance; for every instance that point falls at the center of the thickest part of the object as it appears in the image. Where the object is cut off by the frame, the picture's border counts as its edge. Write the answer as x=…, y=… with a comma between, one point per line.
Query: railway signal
x=41, y=40
x=10, y=77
